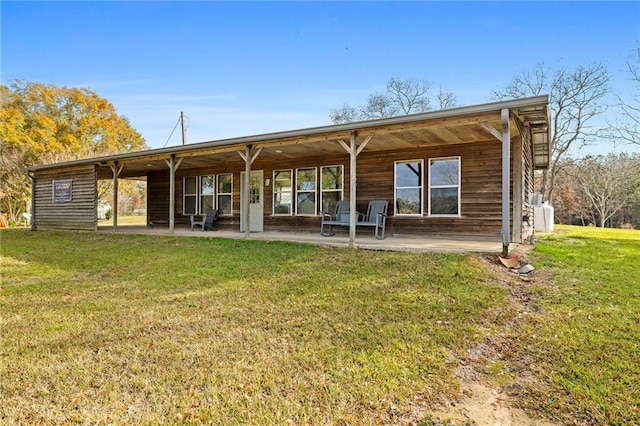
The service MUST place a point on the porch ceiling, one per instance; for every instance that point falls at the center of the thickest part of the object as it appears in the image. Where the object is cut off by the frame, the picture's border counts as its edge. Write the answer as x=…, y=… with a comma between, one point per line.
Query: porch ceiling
x=385, y=138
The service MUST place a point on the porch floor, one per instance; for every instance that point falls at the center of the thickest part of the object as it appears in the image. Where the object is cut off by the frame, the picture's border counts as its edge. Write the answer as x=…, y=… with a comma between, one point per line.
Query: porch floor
x=390, y=243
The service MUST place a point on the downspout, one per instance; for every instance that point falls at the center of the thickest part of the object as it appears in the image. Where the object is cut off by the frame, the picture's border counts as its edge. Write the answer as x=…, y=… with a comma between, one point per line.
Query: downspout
x=506, y=180
x=33, y=200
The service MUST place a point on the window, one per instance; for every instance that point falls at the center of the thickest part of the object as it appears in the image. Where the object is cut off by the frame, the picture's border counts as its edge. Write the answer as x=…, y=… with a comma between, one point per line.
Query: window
x=331, y=187
x=206, y=194
x=225, y=193
x=306, y=191
x=444, y=186
x=197, y=194
x=190, y=195
x=408, y=187
x=282, y=192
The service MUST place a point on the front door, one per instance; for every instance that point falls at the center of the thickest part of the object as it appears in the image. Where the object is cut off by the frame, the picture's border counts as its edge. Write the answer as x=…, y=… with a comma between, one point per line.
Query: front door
x=256, y=202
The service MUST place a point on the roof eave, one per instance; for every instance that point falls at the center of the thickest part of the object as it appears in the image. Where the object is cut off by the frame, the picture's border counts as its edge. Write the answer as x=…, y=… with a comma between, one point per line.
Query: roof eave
x=314, y=131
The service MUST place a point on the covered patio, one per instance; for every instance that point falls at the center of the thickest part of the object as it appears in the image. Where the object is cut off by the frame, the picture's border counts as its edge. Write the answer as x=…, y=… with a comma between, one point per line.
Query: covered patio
x=364, y=242
x=459, y=175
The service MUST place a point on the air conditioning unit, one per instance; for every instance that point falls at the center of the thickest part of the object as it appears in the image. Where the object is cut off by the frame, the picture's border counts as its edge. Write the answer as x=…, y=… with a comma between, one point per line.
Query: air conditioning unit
x=535, y=200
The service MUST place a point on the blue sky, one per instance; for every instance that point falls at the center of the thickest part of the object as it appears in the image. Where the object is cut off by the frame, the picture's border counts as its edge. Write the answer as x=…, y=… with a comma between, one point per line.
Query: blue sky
x=244, y=68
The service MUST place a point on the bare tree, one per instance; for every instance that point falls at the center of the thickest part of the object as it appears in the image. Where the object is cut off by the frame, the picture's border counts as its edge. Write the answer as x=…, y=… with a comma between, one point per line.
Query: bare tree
x=403, y=96
x=576, y=97
x=628, y=129
x=609, y=183
x=345, y=114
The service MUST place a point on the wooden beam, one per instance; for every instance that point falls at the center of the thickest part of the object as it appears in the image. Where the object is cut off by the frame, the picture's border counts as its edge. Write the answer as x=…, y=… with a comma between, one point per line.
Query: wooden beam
x=363, y=144
x=489, y=128
x=345, y=146
x=253, y=158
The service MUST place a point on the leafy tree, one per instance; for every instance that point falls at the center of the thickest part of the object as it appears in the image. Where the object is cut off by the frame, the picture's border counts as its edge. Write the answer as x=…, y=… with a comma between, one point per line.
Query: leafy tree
x=44, y=123
x=576, y=97
x=403, y=96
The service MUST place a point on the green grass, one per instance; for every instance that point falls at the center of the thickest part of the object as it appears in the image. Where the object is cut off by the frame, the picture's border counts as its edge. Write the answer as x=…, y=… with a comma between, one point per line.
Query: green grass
x=108, y=328
x=585, y=343
x=104, y=328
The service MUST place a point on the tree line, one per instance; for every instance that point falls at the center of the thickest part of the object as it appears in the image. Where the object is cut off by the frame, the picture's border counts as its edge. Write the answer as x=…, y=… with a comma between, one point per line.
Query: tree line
x=44, y=123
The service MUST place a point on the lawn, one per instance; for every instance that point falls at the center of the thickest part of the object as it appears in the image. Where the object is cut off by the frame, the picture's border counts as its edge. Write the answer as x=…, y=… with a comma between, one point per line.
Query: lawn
x=104, y=328
x=109, y=328
x=584, y=344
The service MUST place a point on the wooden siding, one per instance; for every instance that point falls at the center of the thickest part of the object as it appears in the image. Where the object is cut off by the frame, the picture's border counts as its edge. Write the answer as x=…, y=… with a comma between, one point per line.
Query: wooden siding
x=481, y=175
x=158, y=198
x=528, y=185
x=80, y=213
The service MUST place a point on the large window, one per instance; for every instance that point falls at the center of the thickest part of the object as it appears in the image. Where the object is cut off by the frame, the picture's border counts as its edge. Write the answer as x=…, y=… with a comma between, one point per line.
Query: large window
x=197, y=194
x=408, y=187
x=225, y=193
x=190, y=195
x=306, y=191
x=282, y=192
x=331, y=187
x=206, y=194
x=444, y=186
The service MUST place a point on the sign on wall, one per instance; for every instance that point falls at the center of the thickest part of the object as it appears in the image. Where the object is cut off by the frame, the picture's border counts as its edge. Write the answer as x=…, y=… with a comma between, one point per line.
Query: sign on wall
x=62, y=190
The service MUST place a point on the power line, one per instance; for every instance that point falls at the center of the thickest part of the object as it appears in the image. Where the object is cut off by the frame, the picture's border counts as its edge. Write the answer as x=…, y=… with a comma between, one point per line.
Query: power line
x=174, y=129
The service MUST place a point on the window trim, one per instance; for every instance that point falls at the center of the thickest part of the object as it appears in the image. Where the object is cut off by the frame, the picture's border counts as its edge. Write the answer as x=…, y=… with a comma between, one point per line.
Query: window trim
x=315, y=192
x=273, y=193
x=218, y=193
x=322, y=190
x=458, y=186
x=420, y=188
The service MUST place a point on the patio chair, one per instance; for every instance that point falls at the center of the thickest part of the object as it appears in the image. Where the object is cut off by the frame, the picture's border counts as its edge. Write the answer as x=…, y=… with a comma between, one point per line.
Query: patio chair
x=207, y=222
x=376, y=217
x=340, y=217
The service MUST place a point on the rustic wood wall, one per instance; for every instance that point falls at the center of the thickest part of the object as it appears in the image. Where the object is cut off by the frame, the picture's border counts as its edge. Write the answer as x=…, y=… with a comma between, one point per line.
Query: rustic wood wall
x=529, y=179
x=80, y=213
x=481, y=177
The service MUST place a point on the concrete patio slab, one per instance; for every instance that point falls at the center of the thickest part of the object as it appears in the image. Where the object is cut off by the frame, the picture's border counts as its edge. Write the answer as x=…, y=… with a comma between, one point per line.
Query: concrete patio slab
x=390, y=243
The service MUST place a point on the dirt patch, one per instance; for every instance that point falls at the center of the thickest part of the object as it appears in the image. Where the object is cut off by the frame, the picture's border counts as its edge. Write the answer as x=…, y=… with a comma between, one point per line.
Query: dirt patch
x=489, y=387
x=484, y=404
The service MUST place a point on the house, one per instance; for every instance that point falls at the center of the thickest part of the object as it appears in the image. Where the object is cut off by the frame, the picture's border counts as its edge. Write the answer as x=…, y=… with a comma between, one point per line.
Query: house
x=461, y=172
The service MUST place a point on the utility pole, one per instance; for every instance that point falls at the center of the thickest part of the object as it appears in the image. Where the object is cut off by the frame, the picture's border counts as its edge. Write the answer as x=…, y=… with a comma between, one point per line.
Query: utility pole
x=184, y=132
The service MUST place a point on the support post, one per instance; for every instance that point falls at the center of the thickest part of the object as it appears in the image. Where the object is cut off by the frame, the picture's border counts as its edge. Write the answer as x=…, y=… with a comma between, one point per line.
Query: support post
x=172, y=192
x=173, y=166
x=506, y=155
x=247, y=192
x=33, y=201
x=116, y=169
x=352, y=190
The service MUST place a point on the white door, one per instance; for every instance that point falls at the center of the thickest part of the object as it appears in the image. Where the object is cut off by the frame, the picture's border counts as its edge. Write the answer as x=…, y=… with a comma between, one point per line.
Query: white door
x=256, y=202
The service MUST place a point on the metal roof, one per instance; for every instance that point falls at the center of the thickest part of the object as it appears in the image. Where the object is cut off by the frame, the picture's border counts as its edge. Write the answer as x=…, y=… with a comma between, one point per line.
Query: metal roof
x=533, y=111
